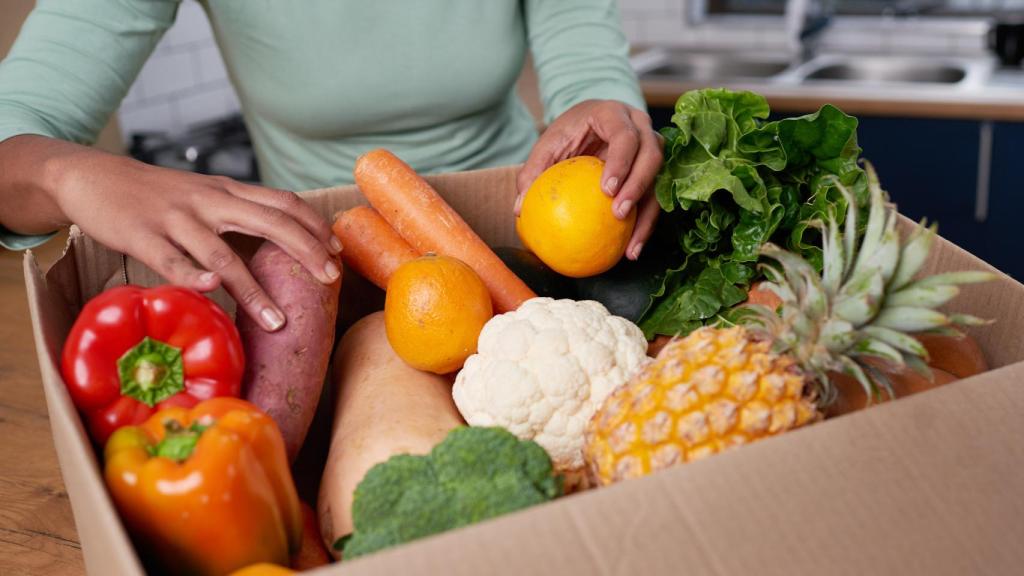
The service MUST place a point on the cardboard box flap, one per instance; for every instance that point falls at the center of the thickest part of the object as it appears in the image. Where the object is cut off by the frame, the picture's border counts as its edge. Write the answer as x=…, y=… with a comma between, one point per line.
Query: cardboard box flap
x=999, y=301
x=933, y=484
x=52, y=312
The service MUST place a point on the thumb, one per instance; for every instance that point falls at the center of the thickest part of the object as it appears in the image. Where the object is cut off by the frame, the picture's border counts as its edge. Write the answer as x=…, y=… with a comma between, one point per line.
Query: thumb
x=541, y=158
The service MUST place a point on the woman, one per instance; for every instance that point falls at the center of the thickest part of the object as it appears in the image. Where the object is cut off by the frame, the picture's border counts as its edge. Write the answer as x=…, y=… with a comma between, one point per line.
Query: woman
x=320, y=82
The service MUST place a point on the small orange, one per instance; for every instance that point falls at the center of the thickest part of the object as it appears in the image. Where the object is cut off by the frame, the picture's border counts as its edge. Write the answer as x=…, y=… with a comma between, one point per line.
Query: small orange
x=434, y=310
x=567, y=221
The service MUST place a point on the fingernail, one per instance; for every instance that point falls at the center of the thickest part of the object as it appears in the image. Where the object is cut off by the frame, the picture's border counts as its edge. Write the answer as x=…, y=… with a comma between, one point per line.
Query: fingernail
x=336, y=246
x=519, y=204
x=331, y=270
x=611, y=185
x=624, y=208
x=637, y=249
x=272, y=319
x=207, y=278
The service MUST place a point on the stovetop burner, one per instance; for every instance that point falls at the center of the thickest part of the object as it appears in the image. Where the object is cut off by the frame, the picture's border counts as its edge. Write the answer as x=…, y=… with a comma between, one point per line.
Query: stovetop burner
x=219, y=147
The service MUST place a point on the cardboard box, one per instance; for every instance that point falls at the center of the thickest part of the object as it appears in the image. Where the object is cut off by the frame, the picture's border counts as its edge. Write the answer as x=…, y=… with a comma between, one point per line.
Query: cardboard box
x=932, y=484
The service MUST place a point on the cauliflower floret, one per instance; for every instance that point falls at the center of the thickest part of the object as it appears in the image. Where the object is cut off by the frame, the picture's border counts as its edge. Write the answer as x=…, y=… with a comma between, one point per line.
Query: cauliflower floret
x=542, y=371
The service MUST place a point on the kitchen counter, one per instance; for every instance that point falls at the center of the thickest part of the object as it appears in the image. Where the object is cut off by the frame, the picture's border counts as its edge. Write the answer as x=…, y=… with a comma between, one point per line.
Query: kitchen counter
x=1004, y=105
x=37, y=530
x=987, y=93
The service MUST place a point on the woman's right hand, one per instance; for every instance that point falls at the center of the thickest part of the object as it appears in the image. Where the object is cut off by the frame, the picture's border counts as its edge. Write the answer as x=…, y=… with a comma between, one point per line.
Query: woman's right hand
x=161, y=217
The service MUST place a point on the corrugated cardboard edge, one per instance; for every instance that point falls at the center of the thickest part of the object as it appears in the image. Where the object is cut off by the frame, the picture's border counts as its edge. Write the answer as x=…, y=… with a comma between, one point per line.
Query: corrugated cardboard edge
x=1000, y=300
x=955, y=510
x=105, y=544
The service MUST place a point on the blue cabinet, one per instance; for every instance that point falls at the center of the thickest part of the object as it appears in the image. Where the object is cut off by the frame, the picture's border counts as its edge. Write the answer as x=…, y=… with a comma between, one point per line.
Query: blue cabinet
x=930, y=169
x=1004, y=227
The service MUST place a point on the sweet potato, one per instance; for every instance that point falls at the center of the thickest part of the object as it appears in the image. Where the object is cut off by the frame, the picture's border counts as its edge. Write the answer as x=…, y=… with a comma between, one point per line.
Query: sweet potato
x=904, y=383
x=961, y=357
x=655, y=346
x=285, y=370
x=758, y=294
x=383, y=407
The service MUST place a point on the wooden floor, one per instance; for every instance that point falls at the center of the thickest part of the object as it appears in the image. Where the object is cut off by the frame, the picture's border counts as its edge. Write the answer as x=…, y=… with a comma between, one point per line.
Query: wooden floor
x=37, y=531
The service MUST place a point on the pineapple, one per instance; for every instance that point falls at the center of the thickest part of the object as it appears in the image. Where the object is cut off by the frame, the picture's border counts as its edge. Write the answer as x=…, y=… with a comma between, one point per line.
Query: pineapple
x=721, y=387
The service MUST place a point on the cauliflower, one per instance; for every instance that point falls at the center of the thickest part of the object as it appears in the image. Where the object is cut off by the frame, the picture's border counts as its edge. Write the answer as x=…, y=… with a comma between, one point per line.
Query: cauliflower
x=542, y=371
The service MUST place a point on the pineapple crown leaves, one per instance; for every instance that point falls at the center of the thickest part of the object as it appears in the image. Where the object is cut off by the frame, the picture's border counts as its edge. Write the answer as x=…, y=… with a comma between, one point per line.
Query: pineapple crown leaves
x=866, y=300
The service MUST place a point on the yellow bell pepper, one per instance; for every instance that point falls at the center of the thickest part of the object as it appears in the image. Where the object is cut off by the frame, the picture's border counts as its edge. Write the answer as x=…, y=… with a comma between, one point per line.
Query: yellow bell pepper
x=206, y=490
x=263, y=570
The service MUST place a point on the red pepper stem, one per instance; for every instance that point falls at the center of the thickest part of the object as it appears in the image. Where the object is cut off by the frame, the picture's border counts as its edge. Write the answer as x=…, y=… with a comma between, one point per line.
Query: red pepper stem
x=151, y=371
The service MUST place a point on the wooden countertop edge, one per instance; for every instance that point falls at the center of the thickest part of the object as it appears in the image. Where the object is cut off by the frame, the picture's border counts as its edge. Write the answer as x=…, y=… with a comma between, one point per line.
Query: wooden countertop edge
x=665, y=95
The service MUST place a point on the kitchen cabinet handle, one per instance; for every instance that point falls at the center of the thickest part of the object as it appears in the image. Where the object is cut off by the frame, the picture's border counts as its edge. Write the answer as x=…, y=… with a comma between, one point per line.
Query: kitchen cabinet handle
x=981, y=192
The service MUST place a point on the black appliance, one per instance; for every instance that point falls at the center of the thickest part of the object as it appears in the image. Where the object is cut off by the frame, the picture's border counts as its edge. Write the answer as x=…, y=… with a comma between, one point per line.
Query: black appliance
x=219, y=147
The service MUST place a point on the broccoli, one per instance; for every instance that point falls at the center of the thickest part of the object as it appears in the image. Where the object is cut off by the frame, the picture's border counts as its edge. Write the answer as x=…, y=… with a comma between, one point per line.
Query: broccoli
x=473, y=475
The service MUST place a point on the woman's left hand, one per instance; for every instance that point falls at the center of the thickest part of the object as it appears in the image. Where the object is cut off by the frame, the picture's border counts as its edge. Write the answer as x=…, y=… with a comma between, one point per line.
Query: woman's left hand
x=622, y=136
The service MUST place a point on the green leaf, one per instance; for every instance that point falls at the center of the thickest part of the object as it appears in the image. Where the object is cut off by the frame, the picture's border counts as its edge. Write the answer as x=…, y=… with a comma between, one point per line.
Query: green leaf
x=339, y=544
x=910, y=319
x=733, y=181
x=700, y=181
x=694, y=301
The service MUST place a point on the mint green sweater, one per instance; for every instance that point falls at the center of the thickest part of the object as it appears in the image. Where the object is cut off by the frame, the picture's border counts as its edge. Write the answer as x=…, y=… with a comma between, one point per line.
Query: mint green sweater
x=322, y=81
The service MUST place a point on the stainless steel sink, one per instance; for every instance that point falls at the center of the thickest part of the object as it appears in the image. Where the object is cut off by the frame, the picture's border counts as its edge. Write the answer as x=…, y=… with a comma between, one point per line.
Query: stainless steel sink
x=888, y=70
x=720, y=66
x=855, y=72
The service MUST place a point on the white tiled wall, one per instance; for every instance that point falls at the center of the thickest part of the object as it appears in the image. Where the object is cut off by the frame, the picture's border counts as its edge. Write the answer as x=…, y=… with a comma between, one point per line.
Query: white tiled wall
x=653, y=21
x=183, y=83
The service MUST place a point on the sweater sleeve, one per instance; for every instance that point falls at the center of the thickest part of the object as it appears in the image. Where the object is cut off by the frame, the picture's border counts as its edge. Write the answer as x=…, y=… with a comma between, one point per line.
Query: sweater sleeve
x=69, y=69
x=74, y=61
x=579, y=53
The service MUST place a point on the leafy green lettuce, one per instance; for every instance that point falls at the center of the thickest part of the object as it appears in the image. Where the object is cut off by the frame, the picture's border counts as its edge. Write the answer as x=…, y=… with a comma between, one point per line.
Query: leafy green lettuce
x=733, y=180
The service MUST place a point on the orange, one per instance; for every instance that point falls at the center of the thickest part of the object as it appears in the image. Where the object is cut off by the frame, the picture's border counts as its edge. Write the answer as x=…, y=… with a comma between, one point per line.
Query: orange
x=434, y=310
x=567, y=221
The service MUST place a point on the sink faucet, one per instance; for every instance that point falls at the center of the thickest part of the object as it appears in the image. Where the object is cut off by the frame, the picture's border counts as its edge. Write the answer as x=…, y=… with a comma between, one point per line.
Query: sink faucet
x=805, y=20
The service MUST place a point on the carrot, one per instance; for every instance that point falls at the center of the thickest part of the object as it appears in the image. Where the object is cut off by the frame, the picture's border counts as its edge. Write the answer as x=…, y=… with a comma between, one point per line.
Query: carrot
x=904, y=383
x=372, y=247
x=418, y=213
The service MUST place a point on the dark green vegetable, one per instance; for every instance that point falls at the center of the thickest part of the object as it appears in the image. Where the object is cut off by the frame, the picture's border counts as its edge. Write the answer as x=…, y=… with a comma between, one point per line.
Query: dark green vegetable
x=473, y=475
x=732, y=181
x=626, y=289
x=535, y=273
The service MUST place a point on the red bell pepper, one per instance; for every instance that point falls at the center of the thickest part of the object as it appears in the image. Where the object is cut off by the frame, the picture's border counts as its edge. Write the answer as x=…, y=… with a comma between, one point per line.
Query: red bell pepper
x=135, y=350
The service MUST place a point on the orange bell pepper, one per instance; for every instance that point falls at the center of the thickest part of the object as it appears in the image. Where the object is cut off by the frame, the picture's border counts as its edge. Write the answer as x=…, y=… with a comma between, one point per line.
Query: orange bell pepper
x=206, y=490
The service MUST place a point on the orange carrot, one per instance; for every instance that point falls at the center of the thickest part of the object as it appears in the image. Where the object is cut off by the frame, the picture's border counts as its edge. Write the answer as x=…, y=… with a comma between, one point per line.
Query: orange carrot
x=371, y=246
x=416, y=211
